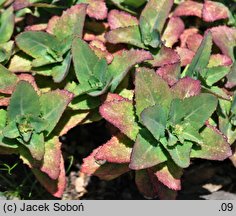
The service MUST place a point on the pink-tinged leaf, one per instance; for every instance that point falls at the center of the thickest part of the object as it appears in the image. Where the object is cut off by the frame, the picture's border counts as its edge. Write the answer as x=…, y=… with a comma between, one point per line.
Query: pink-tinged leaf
x=219, y=60
x=116, y=150
x=121, y=114
x=71, y=23
x=4, y=101
x=105, y=171
x=213, y=11
x=19, y=4
x=147, y=183
x=52, y=158
x=233, y=157
x=174, y=29
x=170, y=73
x=165, y=56
x=96, y=9
x=55, y=187
x=225, y=38
x=100, y=50
x=189, y=8
x=194, y=41
x=36, y=27
x=112, y=97
x=214, y=147
x=186, y=55
x=147, y=152
x=169, y=174
x=119, y=19
x=186, y=87
x=185, y=35
x=29, y=78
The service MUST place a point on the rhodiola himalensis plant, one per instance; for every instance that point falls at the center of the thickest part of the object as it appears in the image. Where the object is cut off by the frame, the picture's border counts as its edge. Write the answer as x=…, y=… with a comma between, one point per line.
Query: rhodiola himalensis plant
x=163, y=128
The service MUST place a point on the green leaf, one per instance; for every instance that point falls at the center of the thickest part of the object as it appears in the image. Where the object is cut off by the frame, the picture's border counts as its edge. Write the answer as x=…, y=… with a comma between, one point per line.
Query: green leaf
x=60, y=71
x=152, y=21
x=24, y=100
x=155, y=119
x=53, y=104
x=147, y=152
x=191, y=134
x=121, y=114
x=7, y=23
x=3, y=118
x=85, y=102
x=214, y=147
x=214, y=74
x=227, y=129
x=6, y=50
x=150, y=89
x=180, y=153
x=11, y=131
x=8, y=80
x=127, y=35
x=45, y=48
x=201, y=58
x=133, y=3
x=194, y=110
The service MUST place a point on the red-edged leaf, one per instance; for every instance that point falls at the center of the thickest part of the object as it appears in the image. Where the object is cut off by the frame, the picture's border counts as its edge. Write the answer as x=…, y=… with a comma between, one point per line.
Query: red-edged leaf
x=170, y=73
x=19, y=4
x=116, y=150
x=97, y=9
x=194, y=41
x=69, y=24
x=29, y=78
x=186, y=55
x=186, y=87
x=4, y=101
x=106, y=171
x=52, y=158
x=121, y=114
x=214, y=147
x=55, y=187
x=213, y=11
x=189, y=8
x=36, y=27
x=219, y=60
x=119, y=19
x=169, y=174
x=174, y=29
x=147, y=183
x=186, y=34
x=164, y=193
x=165, y=56
x=225, y=38
x=100, y=50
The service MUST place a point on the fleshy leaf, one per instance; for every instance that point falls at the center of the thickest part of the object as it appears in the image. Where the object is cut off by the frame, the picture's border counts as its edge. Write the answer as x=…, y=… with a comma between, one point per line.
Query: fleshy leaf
x=232, y=77
x=116, y=150
x=202, y=57
x=186, y=55
x=127, y=35
x=225, y=38
x=174, y=29
x=147, y=152
x=165, y=56
x=213, y=11
x=219, y=60
x=169, y=174
x=214, y=147
x=154, y=118
x=194, y=41
x=123, y=62
x=45, y=48
x=170, y=73
x=52, y=158
x=121, y=114
x=227, y=129
x=8, y=80
x=147, y=183
x=184, y=36
x=6, y=24
x=107, y=171
x=195, y=110
x=70, y=24
x=53, y=105
x=120, y=19
x=152, y=20
x=55, y=187
x=189, y=8
x=150, y=89
x=24, y=100
x=186, y=87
